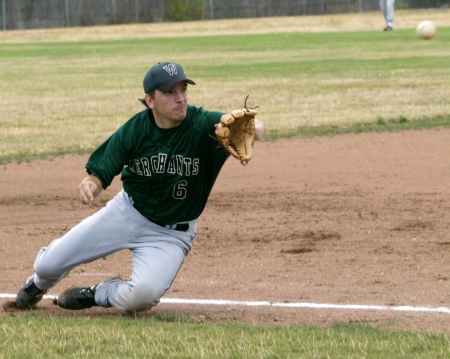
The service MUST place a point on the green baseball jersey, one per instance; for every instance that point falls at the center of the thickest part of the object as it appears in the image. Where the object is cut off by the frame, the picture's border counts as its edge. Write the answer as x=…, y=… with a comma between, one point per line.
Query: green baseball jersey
x=168, y=173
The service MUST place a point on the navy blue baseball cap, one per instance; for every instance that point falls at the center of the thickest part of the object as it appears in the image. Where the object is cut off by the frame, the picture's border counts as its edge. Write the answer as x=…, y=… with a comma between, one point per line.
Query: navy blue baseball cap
x=164, y=77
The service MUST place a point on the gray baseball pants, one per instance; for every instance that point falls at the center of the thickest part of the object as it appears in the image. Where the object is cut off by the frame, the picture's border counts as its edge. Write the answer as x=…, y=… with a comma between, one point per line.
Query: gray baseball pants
x=387, y=7
x=158, y=254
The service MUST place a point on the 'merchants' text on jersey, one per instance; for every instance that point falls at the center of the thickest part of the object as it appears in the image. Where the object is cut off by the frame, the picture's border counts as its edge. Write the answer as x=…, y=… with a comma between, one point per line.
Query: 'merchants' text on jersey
x=183, y=166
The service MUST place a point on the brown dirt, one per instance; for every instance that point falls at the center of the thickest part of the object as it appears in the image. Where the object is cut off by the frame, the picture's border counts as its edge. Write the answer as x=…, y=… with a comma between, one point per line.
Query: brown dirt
x=350, y=219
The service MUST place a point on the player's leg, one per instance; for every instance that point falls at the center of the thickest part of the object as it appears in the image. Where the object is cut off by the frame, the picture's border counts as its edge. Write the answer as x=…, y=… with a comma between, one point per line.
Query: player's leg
x=103, y=233
x=383, y=7
x=389, y=13
x=157, y=259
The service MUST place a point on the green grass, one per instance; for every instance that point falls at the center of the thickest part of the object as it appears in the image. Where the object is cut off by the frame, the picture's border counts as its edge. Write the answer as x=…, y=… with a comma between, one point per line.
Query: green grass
x=396, y=124
x=38, y=336
x=68, y=97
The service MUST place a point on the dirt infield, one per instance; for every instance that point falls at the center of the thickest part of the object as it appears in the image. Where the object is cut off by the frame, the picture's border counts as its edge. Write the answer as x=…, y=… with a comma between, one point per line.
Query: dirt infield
x=350, y=219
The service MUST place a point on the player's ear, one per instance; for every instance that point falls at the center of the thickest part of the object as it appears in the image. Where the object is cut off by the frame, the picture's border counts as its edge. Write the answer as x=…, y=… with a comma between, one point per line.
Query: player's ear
x=149, y=101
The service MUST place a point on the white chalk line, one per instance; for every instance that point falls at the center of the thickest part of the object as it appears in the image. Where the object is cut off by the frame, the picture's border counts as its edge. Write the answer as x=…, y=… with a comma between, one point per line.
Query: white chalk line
x=403, y=308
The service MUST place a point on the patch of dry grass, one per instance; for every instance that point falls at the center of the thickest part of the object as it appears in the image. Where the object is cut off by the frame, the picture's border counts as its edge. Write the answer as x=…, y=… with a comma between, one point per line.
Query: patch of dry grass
x=64, y=95
x=404, y=19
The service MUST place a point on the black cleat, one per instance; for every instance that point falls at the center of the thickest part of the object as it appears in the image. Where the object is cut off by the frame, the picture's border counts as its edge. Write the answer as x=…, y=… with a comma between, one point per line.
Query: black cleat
x=29, y=295
x=388, y=28
x=77, y=298
x=80, y=297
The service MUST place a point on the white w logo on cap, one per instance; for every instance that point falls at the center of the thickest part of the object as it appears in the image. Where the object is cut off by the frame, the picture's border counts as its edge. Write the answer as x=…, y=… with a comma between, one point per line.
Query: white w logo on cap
x=171, y=69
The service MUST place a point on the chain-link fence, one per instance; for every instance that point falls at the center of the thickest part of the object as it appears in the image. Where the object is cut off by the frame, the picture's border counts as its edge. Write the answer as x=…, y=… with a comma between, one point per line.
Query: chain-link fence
x=32, y=14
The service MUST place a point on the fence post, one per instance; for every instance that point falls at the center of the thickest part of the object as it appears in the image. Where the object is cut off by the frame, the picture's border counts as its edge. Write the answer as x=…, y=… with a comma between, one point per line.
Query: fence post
x=4, y=14
x=137, y=7
x=66, y=12
x=113, y=11
x=211, y=10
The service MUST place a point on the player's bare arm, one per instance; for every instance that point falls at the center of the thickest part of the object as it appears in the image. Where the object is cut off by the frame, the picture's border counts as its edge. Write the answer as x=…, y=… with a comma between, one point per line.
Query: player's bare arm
x=89, y=188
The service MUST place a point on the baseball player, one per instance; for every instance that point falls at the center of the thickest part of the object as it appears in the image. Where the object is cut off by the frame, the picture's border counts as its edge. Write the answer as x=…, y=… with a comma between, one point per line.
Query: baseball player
x=168, y=163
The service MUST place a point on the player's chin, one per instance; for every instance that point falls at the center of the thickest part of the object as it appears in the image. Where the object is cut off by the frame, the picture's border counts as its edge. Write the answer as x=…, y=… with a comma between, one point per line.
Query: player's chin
x=180, y=115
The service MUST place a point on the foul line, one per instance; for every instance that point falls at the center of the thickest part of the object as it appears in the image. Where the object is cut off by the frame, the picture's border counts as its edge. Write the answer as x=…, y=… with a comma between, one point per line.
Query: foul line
x=404, y=308
x=308, y=305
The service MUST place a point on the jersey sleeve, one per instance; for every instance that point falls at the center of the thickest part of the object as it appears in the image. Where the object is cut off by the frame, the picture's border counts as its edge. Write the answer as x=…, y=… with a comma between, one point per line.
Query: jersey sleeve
x=109, y=159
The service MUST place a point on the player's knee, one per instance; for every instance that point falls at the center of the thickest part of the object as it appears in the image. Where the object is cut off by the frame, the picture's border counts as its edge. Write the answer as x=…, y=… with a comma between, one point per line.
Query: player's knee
x=144, y=296
x=50, y=266
x=47, y=270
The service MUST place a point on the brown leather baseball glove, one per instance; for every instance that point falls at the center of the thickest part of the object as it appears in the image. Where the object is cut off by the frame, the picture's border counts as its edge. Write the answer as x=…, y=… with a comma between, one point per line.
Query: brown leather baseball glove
x=236, y=133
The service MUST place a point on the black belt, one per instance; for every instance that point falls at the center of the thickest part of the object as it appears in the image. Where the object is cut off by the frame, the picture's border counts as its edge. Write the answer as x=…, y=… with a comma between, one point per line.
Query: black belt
x=182, y=227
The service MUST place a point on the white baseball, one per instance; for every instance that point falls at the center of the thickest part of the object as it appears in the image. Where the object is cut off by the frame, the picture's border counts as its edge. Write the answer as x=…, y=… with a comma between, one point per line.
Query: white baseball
x=426, y=30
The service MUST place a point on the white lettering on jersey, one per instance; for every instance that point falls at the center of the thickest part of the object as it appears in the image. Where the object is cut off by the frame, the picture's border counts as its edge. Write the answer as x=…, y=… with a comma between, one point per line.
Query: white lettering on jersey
x=179, y=165
x=195, y=163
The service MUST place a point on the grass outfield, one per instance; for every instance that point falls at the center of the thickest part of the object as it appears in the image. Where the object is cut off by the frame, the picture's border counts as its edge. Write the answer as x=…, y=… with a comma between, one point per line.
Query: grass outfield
x=66, y=90
x=68, y=96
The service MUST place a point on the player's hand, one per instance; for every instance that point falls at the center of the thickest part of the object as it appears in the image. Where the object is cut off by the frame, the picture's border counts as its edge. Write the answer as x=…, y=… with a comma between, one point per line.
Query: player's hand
x=88, y=189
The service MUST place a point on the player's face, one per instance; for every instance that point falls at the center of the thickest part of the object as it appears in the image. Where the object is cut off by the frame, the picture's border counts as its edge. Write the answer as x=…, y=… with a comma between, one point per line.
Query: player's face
x=169, y=108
